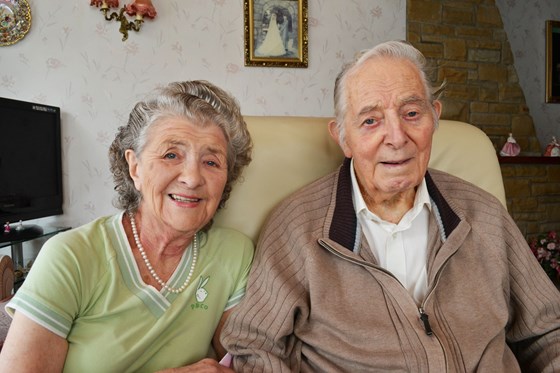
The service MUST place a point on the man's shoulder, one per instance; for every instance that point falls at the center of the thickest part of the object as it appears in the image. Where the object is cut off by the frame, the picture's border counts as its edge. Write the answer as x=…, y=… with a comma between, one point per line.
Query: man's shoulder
x=317, y=192
x=460, y=191
x=307, y=205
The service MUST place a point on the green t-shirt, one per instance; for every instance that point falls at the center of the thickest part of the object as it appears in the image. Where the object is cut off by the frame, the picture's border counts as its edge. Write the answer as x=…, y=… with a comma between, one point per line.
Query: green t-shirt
x=85, y=286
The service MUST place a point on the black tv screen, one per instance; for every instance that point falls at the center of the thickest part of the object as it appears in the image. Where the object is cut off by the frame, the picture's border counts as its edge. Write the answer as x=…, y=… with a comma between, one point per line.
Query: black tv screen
x=30, y=161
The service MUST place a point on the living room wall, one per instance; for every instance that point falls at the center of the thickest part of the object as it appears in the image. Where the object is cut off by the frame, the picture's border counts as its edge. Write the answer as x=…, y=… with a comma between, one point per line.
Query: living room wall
x=74, y=59
x=488, y=81
x=524, y=23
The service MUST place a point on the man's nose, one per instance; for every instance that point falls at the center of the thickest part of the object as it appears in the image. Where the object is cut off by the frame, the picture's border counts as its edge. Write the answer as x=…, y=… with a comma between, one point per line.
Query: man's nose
x=396, y=135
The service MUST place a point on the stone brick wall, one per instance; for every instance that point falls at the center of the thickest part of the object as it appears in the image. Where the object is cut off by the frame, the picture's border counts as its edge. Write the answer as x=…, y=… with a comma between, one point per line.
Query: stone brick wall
x=533, y=196
x=467, y=47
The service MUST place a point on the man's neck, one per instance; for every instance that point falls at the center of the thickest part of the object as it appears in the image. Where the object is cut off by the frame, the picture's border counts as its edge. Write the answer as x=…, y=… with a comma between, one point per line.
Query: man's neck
x=393, y=208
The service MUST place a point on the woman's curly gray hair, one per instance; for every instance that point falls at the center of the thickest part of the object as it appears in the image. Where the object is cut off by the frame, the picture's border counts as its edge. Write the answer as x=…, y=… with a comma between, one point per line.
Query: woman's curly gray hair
x=201, y=103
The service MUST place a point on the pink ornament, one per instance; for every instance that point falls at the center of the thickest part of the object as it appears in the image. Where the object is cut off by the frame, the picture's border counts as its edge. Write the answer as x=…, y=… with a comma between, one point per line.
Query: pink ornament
x=141, y=8
x=511, y=148
x=552, y=149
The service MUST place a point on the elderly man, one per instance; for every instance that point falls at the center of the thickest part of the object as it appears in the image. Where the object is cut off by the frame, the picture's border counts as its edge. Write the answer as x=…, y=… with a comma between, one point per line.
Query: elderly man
x=385, y=265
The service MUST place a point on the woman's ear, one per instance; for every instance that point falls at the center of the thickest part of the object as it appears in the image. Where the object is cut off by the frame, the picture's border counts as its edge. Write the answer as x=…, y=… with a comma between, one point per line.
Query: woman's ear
x=133, y=169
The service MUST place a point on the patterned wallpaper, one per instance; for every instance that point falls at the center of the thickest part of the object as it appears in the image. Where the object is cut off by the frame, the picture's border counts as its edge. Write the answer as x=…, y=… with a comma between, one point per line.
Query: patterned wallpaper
x=74, y=59
x=524, y=23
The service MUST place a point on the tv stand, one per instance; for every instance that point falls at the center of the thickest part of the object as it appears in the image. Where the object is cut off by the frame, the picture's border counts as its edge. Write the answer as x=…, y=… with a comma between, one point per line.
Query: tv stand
x=16, y=238
x=21, y=232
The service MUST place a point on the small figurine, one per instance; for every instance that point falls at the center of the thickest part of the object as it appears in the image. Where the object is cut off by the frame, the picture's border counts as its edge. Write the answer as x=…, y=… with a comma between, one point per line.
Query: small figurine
x=511, y=148
x=552, y=149
x=7, y=227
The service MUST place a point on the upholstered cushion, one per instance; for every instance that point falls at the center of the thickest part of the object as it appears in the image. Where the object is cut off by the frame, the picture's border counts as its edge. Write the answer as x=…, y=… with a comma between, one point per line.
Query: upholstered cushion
x=290, y=152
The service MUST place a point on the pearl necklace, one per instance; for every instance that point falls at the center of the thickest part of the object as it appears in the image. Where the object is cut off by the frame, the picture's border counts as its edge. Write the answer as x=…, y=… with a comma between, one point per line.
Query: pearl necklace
x=149, y=265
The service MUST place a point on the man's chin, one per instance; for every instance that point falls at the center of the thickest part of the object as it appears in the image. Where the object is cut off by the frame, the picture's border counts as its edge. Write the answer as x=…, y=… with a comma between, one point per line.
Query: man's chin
x=400, y=185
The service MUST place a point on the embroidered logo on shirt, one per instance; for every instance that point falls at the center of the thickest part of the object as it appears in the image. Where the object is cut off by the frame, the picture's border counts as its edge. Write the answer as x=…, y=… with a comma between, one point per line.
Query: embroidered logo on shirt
x=201, y=294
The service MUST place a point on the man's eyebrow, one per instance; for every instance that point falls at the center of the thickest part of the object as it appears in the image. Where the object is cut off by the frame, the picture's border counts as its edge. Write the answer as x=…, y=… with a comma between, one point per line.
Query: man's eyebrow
x=413, y=100
x=368, y=109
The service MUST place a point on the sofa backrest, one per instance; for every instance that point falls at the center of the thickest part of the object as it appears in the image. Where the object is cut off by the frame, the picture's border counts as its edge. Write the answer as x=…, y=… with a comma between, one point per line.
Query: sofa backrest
x=290, y=152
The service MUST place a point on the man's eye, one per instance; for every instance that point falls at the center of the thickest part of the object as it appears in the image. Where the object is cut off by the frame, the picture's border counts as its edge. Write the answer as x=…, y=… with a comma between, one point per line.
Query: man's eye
x=171, y=156
x=412, y=114
x=369, y=121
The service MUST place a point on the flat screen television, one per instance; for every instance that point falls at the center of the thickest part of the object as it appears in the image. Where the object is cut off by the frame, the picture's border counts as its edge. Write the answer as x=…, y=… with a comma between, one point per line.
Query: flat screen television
x=30, y=166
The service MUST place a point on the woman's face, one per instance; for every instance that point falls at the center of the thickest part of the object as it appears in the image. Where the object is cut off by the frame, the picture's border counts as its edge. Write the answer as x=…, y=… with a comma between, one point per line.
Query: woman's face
x=181, y=174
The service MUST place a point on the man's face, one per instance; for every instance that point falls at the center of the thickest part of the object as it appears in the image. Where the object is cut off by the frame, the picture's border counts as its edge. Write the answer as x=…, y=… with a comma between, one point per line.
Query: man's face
x=389, y=125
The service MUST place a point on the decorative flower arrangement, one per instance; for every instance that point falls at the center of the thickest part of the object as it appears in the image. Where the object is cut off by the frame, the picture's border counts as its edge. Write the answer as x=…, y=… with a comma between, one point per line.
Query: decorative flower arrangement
x=546, y=248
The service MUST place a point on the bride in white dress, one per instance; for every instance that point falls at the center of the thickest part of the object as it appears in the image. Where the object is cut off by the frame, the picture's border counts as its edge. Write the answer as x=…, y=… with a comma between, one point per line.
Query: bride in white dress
x=272, y=44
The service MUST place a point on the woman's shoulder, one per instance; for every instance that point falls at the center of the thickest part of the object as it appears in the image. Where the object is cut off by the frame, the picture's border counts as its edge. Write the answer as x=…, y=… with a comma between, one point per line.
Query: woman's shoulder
x=225, y=234
x=226, y=241
x=79, y=253
x=84, y=239
x=85, y=232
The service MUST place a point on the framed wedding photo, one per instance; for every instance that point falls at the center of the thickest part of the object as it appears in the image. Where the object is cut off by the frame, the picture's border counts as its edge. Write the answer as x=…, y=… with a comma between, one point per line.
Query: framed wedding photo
x=276, y=33
x=553, y=62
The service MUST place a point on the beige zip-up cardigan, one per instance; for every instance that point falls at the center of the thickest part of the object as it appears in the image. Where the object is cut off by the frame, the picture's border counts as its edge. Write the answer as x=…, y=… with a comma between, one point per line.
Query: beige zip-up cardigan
x=317, y=301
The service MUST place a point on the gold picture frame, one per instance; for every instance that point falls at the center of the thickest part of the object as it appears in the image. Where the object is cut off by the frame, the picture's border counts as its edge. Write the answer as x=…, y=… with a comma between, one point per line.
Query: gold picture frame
x=553, y=62
x=276, y=33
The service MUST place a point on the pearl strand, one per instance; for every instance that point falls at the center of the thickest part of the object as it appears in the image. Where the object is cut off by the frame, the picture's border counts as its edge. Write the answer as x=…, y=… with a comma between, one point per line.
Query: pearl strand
x=151, y=268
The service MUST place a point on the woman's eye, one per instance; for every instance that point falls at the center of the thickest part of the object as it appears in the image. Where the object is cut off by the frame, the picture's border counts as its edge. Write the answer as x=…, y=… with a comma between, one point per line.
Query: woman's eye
x=212, y=163
x=369, y=121
x=171, y=156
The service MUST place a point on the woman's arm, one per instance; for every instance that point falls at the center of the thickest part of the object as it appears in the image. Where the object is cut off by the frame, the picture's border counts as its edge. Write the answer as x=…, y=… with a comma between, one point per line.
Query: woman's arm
x=29, y=347
x=220, y=350
x=208, y=365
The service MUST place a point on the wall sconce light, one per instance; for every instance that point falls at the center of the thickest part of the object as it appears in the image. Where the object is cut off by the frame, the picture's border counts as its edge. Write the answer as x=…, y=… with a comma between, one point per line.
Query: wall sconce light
x=138, y=8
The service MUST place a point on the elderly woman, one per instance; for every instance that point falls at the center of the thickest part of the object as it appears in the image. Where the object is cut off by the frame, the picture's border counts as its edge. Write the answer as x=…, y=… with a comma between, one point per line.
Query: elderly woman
x=148, y=288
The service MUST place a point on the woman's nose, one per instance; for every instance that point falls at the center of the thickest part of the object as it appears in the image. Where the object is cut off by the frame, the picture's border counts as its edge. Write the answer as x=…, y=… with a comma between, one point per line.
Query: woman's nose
x=191, y=174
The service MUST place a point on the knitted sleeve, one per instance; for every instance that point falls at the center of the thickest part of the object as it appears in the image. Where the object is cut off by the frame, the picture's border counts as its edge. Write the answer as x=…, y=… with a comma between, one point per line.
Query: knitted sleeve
x=260, y=332
x=534, y=331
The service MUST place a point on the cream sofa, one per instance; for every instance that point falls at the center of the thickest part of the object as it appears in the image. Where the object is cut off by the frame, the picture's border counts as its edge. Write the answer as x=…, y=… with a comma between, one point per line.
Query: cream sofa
x=290, y=152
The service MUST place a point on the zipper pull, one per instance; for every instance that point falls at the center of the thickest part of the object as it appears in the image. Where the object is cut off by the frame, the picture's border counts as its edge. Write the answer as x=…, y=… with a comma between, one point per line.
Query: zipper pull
x=425, y=321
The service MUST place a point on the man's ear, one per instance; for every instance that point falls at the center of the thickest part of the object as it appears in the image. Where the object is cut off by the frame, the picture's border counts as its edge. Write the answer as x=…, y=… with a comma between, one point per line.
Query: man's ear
x=335, y=134
x=437, y=107
x=132, y=161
